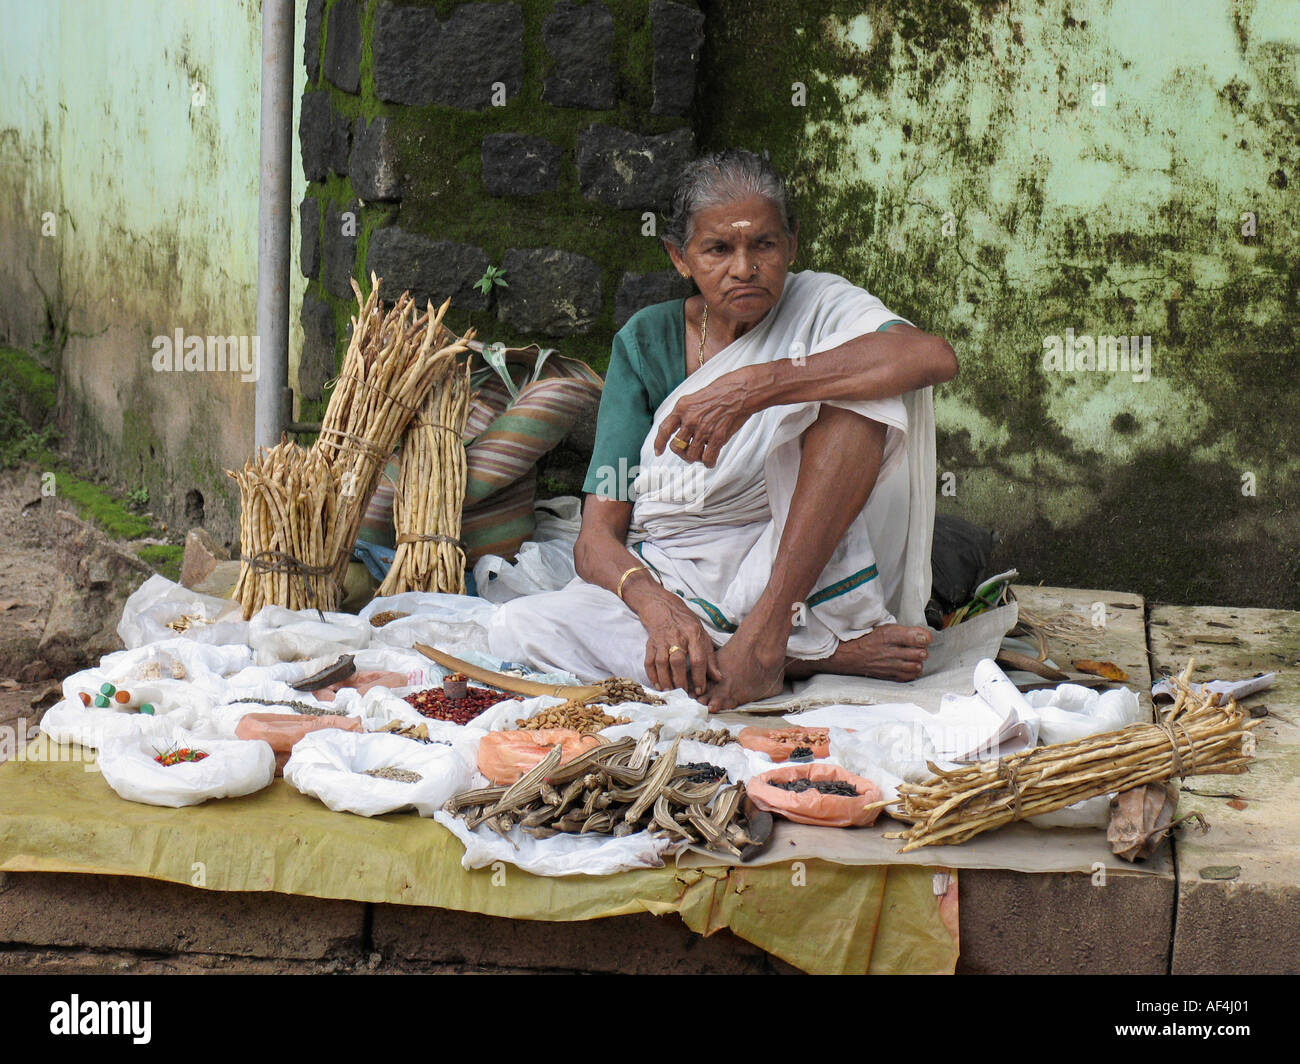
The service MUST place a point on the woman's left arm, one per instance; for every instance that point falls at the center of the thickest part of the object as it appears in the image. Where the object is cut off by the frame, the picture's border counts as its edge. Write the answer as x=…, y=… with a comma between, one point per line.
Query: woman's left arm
x=877, y=365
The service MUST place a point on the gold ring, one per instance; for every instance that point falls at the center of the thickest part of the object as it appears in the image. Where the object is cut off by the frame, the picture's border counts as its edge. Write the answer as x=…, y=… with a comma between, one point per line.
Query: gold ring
x=675, y=647
x=679, y=444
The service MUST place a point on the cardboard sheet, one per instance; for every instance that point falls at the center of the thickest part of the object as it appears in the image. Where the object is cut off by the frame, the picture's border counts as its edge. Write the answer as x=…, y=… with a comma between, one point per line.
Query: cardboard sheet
x=58, y=815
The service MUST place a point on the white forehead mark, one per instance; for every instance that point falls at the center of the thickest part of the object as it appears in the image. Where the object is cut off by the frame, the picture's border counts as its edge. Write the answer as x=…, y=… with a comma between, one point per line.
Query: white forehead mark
x=742, y=224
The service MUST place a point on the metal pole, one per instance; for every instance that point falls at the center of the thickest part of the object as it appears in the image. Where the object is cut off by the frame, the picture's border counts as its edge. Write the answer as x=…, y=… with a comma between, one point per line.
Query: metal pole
x=273, y=220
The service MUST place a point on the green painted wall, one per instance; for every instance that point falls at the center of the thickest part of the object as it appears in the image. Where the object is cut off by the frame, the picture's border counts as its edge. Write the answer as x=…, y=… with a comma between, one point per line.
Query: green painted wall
x=1002, y=172
x=154, y=194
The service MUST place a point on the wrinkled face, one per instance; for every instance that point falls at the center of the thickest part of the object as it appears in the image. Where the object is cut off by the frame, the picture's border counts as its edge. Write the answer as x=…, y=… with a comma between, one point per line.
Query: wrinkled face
x=738, y=255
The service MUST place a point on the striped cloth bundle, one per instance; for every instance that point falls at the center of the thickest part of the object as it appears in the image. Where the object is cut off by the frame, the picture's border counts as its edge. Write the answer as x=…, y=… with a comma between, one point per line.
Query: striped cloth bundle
x=526, y=400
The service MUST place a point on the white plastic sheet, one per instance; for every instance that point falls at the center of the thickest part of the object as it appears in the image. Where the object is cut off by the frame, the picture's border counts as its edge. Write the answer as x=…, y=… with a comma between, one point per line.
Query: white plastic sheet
x=1071, y=712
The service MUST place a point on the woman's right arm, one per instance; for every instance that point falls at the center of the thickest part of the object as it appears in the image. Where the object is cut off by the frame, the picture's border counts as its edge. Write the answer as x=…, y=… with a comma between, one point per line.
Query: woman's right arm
x=602, y=558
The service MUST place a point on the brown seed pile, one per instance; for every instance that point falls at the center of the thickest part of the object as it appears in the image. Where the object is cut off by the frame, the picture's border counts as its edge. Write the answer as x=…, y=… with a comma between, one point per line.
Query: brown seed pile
x=583, y=717
x=711, y=736
x=620, y=689
x=384, y=616
x=397, y=775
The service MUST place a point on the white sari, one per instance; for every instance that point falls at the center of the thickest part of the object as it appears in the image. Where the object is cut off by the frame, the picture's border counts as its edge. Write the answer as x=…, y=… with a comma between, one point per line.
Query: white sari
x=712, y=535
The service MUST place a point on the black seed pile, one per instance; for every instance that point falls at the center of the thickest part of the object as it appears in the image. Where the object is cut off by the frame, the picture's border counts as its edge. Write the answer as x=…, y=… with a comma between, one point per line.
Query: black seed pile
x=703, y=772
x=836, y=787
x=801, y=751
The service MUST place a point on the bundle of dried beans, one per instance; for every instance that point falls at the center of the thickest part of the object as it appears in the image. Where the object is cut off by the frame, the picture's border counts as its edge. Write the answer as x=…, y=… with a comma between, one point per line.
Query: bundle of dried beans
x=392, y=361
x=1195, y=736
x=431, y=488
x=287, y=507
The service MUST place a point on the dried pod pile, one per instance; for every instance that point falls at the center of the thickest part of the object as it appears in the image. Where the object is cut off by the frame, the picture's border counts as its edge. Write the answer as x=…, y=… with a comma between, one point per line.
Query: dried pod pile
x=1196, y=736
x=618, y=789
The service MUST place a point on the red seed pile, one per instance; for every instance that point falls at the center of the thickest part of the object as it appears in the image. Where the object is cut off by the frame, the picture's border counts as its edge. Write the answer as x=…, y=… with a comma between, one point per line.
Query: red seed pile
x=436, y=705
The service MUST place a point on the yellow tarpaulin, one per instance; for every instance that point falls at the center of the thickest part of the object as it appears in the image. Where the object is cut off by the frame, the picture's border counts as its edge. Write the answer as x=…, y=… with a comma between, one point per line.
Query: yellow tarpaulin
x=57, y=814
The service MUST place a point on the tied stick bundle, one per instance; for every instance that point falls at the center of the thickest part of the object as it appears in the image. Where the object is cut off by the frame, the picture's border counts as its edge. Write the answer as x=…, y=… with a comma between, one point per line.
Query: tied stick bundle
x=1196, y=736
x=431, y=491
x=392, y=360
x=287, y=504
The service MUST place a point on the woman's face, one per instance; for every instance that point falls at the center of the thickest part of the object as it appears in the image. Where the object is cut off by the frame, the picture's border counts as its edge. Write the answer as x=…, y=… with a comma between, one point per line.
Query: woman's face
x=738, y=255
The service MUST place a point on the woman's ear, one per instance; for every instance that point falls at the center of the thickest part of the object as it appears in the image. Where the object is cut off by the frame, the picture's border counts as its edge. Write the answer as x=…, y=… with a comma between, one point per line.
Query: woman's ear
x=678, y=260
x=794, y=243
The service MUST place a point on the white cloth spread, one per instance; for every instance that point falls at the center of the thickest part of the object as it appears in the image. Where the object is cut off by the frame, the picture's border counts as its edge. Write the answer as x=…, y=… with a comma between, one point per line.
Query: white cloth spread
x=712, y=535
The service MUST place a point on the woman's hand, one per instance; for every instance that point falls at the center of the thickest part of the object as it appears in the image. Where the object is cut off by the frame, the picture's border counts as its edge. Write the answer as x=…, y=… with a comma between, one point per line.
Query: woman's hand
x=678, y=652
x=707, y=419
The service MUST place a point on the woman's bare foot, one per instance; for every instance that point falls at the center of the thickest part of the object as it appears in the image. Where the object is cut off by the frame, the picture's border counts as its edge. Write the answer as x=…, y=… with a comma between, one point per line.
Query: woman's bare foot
x=889, y=652
x=749, y=673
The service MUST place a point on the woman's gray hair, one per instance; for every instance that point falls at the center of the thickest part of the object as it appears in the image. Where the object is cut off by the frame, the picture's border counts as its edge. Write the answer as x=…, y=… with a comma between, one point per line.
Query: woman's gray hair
x=724, y=177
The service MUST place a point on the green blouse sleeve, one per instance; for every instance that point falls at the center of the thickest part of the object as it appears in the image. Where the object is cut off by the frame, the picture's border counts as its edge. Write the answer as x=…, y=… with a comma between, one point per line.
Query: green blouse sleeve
x=624, y=419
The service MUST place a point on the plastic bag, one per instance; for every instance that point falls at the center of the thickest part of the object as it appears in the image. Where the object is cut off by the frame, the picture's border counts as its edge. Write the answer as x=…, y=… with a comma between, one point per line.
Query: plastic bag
x=231, y=769
x=331, y=765
x=92, y=727
x=1071, y=712
x=505, y=756
x=959, y=560
x=560, y=855
x=741, y=764
x=1090, y=813
x=811, y=806
x=283, y=730
x=159, y=601
x=454, y=622
x=277, y=634
x=538, y=568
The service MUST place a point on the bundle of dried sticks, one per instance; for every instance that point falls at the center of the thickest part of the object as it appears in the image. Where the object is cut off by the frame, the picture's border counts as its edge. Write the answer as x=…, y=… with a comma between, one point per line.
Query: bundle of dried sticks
x=431, y=489
x=301, y=508
x=287, y=505
x=1195, y=736
x=392, y=361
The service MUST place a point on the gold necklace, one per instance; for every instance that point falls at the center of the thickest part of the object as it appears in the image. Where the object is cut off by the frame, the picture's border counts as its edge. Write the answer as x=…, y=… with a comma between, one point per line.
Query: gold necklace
x=704, y=332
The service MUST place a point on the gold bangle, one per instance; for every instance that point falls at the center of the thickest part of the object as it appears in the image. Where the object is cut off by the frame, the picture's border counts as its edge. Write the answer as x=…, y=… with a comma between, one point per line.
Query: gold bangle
x=623, y=579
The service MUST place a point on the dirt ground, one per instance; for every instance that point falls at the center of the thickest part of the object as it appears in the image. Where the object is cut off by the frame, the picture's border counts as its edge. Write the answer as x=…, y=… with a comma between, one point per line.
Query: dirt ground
x=27, y=570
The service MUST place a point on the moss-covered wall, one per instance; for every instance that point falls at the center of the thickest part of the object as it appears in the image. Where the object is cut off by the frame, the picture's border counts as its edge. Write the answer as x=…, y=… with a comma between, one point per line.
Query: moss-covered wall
x=1003, y=172
x=438, y=155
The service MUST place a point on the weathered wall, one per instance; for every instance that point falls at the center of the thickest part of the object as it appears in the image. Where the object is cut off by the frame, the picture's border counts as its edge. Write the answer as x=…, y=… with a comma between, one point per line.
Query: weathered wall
x=954, y=156
x=138, y=133
x=1001, y=173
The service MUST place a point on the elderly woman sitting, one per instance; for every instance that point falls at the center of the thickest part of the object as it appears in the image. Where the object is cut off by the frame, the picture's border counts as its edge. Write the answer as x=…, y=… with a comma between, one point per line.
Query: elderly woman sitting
x=780, y=431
